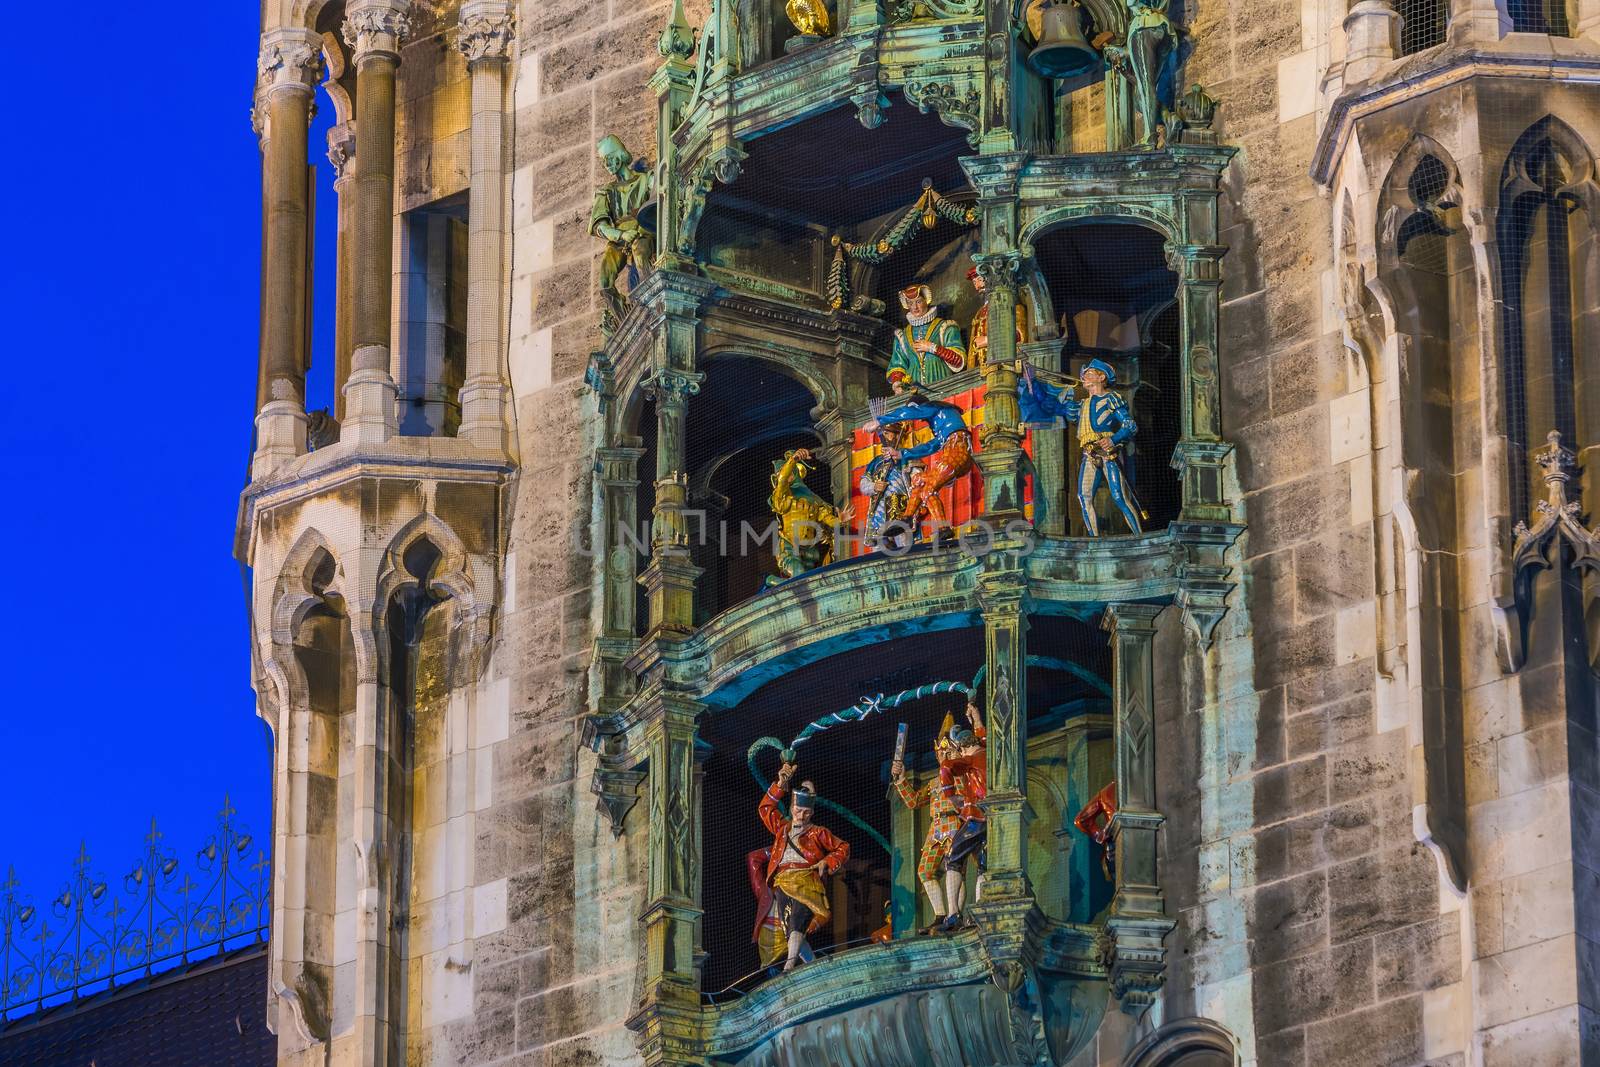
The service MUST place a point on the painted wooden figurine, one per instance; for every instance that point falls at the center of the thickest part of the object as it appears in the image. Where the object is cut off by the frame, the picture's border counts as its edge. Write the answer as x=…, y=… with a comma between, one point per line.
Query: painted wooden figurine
x=928, y=348
x=805, y=521
x=802, y=854
x=886, y=483
x=948, y=454
x=615, y=219
x=1105, y=426
x=978, y=336
x=963, y=784
x=1096, y=820
x=945, y=820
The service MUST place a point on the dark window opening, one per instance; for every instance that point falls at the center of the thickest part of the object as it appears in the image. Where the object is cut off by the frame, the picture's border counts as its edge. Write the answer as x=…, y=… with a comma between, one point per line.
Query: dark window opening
x=431, y=362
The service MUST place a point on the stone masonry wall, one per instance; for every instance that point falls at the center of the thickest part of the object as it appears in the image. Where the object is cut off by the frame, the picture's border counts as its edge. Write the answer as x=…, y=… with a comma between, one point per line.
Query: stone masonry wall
x=1312, y=923
x=555, y=985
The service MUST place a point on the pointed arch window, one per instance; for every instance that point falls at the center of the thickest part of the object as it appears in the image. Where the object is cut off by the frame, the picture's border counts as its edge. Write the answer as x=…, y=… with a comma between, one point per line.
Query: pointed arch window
x=1546, y=246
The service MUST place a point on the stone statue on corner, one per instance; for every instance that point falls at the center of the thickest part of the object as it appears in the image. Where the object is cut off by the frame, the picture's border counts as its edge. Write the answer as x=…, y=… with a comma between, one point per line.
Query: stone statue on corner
x=630, y=246
x=1148, y=57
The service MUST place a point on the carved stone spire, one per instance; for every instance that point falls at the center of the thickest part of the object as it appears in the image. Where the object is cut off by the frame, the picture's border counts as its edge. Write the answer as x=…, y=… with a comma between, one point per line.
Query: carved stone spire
x=487, y=30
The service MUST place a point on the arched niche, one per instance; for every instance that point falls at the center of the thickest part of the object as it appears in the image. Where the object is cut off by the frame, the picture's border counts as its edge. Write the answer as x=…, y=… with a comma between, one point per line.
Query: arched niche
x=749, y=413
x=1426, y=266
x=1192, y=1042
x=427, y=650
x=775, y=221
x=1067, y=693
x=316, y=666
x=1115, y=298
x=1549, y=319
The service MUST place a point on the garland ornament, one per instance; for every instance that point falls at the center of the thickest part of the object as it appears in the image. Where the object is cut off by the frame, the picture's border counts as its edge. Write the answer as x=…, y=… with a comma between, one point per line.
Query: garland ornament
x=923, y=214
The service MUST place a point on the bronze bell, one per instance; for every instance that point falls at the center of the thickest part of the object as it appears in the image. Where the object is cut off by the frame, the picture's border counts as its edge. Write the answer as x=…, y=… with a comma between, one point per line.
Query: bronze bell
x=1063, y=51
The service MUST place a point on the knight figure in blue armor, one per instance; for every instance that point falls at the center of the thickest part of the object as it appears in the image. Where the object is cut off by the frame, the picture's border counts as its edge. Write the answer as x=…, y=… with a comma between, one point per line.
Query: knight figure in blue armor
x=886, y=483
x=1105, y=425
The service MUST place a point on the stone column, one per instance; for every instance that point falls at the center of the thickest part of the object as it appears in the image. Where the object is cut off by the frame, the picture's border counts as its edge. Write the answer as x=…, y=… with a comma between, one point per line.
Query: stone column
x=1000, y=71
x=672, y=83
x=1002, y=592
x=1201, y=452
x=341, y=155
x=373, y=29
x=671, y=914
x=1138, y=921
x=670, y=577
x=288, y=69
x=1588, y=22
x=1372, y=33
x=485, y=39
x=1001, y=460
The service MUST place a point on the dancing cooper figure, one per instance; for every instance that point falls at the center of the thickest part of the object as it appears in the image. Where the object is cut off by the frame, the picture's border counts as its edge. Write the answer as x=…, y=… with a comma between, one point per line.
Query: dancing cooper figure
x=802, y=852
x=1105, y=426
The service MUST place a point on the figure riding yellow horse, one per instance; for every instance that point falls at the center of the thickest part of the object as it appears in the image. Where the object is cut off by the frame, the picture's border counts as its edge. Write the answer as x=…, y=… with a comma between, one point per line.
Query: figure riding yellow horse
x=805, y=521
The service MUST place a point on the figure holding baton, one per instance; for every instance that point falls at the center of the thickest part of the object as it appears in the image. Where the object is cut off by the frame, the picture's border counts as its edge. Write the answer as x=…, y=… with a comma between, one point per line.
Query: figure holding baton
x=945, y=821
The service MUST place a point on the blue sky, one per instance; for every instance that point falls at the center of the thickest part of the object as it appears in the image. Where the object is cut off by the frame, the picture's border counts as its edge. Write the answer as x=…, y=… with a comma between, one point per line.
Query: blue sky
x=131, y=287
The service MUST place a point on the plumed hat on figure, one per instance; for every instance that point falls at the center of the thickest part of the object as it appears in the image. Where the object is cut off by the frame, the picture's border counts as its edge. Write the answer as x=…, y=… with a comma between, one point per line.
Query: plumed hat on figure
x=911, y=292
x=1103, y=367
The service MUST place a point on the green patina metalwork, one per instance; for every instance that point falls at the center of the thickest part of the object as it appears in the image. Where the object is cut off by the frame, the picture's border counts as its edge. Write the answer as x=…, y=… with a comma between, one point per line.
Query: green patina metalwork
x=1023, y=988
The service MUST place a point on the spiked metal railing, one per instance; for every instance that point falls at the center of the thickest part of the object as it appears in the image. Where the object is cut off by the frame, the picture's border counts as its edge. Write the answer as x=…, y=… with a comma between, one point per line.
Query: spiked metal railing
x=165, y=916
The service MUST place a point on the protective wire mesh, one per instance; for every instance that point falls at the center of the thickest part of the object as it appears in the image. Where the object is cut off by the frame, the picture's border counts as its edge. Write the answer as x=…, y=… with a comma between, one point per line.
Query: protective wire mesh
x=1100, y=291
x=1545, y=239
x=1423, y=24
x=1538, y=16
x=848, y=764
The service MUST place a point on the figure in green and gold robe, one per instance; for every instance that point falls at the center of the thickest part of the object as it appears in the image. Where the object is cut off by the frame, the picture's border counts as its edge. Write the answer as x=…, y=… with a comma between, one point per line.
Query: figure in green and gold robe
x=927, y=349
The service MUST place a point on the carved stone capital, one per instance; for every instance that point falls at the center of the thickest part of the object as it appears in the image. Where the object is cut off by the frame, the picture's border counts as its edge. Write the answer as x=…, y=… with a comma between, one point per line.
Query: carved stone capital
x=1135, y=957
x=670, y=386
x=487, y=29
x=376, y=27
x=342, y=149
x=999, y=270
x=290, y=61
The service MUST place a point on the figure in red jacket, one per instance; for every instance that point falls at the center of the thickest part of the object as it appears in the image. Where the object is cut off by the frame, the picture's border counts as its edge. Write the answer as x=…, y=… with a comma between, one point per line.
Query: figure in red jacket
x=1097, y=819
x=963, y=781
x=802, y=852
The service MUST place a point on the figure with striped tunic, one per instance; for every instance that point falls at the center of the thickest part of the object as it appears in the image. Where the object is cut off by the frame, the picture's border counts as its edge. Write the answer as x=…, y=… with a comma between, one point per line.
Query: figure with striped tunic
x=944, y=821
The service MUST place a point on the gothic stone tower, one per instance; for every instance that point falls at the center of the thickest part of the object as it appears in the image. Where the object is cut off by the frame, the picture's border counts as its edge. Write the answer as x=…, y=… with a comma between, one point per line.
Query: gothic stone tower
x=1343, y=679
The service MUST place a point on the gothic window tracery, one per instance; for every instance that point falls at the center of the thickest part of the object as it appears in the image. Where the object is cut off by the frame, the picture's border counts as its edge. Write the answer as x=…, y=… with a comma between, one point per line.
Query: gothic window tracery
x=1547, y=252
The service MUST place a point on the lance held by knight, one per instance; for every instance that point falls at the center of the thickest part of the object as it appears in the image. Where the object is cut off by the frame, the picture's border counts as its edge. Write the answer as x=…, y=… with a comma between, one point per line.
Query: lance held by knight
x=803, y=853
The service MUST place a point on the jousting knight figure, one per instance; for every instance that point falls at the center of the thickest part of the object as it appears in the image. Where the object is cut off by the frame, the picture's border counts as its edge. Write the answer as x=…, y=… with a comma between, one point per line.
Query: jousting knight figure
x=928, y=349
x=886, y=483
x=1105, y=425
x=802, y=852
x=963, y=783
x=948, y=454
x=944, y=822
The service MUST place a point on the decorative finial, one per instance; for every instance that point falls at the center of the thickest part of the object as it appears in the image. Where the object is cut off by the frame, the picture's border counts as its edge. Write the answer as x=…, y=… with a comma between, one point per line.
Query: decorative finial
x=677, y=40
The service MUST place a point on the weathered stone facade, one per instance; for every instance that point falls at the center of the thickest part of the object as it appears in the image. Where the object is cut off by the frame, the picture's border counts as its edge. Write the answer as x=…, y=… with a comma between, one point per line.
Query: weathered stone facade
x=1378, y=773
